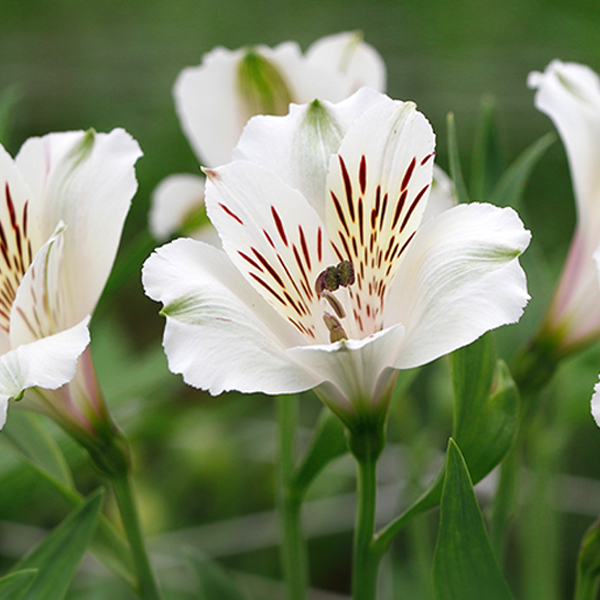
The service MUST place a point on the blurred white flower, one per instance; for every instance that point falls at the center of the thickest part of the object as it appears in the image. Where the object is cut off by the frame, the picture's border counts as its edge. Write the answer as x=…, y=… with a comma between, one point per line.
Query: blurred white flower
x=63, y=203
x=329, y=277
x=215, y=100
x=569, y=94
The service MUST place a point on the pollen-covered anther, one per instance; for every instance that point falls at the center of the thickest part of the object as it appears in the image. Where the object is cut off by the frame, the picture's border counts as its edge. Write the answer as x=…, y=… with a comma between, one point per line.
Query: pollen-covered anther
x=336, y=331
x=333, y=277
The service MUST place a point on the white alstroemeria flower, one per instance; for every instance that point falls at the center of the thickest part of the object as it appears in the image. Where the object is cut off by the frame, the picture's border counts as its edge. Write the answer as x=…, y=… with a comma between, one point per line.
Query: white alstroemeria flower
x=569, y=94
x=215, y=100
x=329, y=278
x=63, y=203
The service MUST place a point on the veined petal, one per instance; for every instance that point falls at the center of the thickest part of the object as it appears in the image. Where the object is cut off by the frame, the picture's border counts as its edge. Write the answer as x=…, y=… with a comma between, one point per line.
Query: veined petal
x=459, y=278
x=569, y=94
x=378, y=185
x=39, y=308
x=173, y=200
x=298, y=146
x=47, y=363
x=359, y=62
x=275, y=238
x=353, y=367
x=220, y=334
x=86, y=180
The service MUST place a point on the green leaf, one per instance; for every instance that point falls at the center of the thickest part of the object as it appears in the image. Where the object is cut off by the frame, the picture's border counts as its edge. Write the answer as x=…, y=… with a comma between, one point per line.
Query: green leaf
x=464, y=567
x=25, y=431
x=487, y=164
x=328, y=443
x=15, y=585
x=453, y=157
x=59, y=554
x=214, y=582
x=27, y=434
x=486, y=404
x=509, y=190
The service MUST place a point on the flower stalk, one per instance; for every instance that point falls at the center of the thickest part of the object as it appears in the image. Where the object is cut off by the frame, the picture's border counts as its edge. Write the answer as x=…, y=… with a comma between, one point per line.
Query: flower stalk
x=293, y=547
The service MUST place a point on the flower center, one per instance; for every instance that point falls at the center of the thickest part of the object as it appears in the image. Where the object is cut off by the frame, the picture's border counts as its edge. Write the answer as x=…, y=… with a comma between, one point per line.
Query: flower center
x=15, y=254
x=328, y=282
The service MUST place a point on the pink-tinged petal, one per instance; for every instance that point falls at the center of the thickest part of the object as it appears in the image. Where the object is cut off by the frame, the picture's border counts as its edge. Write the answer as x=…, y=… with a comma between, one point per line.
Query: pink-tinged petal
x=39, y=308
x=47, y=363
x=378, y=185
x=173, y=200
x=360, y=63
x=595, y=404
x=459, y=278
x=86, y=180
x=353, y=369
x=569, y=94
x=275, y=238
x=298, y=146
x=220, y=334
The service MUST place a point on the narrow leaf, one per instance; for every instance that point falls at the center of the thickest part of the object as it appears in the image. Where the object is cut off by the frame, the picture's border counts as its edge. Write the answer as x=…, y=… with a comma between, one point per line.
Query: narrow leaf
x=487, y=164
x=464, y=567
x=509, y=190
x=453, y=157
x=15, y=585
x=59, y=554
x=328, y=443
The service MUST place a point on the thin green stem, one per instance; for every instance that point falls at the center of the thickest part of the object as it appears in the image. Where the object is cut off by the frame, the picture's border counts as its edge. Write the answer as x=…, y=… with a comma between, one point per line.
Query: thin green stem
x=148, y=588
x=293, y=548
x=366, y=561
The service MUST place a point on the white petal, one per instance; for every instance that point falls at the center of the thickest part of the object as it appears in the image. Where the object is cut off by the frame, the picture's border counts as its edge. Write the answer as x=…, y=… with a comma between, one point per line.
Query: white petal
x=47, y=363
x=378, y=185
x=569, y=94
x=595, y=404
x=172, y=201
x=39, y=308
x=460, y=278
x=86, y=180
x=442, y=196
x=298, y=146
x=354, y=367
x=274, y=237
x=220, y=334
x=360, y=63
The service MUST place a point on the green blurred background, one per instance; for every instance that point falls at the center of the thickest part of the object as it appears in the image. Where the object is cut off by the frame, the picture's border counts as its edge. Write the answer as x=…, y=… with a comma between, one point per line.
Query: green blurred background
x=106, y=64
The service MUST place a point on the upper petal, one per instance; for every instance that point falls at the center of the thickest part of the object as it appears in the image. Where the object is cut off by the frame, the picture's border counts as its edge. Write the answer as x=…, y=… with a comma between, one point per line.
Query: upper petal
x=86, y=180
x=460, y=278
x=359, y=62
x=220, y=334
x=569, y=94
x=298, y=146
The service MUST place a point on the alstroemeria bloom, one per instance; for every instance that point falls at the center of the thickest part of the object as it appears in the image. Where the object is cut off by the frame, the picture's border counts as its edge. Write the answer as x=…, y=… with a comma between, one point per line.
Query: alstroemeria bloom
x=570, y=95
x=215, y=100
x=329, y=278
x=63, y=203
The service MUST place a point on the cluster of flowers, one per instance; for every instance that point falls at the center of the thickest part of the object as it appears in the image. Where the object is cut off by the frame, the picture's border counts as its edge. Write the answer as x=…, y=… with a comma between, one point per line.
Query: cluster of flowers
x=347, y=176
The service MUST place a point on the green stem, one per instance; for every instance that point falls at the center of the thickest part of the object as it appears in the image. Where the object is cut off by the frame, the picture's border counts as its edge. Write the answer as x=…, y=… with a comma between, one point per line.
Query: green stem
x=586, y=586
x=366, y=560
x=588, y=565
x=148, y=588
x=293, y=548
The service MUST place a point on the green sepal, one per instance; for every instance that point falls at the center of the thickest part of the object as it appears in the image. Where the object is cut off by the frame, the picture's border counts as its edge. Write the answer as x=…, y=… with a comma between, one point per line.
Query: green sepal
x=328, y=442
x=15, y=585
x=464, y=567
x=454, y=160
x=509, y=190
x=488, y=162
x=58, y=555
